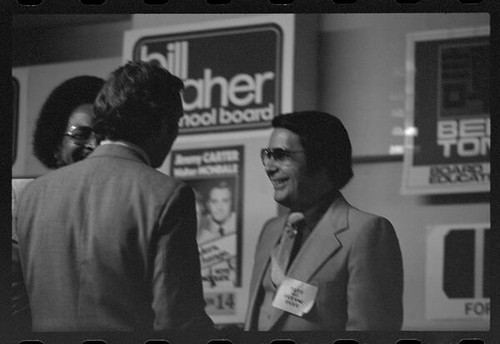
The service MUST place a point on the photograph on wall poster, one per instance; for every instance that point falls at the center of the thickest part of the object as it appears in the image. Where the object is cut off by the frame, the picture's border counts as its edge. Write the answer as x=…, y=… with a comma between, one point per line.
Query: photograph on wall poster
x=215, y=174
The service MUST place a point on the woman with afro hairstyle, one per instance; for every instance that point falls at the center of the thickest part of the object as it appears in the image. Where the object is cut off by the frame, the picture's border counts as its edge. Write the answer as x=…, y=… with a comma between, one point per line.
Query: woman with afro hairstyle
x=63, y=133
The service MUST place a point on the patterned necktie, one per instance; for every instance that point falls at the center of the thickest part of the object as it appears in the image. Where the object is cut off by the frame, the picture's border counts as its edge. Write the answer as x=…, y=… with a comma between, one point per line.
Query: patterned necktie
x=281, y=256
x=221, y=231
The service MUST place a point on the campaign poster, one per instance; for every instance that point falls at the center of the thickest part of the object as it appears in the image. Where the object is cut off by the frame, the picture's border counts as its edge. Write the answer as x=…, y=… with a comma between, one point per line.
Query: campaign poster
x=458, y=272
x=232, y=75
x=449, y=126
x=215, y=174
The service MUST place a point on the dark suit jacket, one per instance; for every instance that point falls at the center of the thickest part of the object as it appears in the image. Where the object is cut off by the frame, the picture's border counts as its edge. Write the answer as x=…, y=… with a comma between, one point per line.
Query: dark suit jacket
x=355, y=261
x=109, y=243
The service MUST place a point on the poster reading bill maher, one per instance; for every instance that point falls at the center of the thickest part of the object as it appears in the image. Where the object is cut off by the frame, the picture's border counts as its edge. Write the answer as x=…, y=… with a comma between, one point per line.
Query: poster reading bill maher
x=232, y=75
x=448, y=127
x=215, y=174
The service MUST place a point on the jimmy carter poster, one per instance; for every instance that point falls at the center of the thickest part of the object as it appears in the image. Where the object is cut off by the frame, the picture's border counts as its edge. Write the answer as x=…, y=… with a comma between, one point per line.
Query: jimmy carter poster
x=215, y=174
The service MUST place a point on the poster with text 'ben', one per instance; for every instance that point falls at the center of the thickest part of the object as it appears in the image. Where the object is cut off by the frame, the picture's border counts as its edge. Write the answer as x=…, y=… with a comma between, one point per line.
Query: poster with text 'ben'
x=215, y=174
x=448, y=128
x=232, y=75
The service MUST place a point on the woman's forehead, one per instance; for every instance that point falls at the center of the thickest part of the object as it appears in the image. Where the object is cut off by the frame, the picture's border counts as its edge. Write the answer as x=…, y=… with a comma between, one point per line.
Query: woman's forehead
x=81, y=116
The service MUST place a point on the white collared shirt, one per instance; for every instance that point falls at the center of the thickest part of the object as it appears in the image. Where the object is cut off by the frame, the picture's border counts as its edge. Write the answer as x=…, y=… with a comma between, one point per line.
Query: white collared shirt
x=130, y=145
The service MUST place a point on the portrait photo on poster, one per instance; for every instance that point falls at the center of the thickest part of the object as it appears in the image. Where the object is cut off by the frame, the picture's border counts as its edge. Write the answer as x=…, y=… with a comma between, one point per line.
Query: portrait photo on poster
x=215, y=176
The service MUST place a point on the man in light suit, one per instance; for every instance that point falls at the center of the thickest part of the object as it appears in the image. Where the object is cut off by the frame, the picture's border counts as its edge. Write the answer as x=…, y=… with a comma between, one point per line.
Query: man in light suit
x=326, y=265
x=109, y=243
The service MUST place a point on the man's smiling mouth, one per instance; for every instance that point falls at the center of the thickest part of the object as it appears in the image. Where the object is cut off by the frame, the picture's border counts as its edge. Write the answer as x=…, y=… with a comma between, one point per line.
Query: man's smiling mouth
x=279, y=183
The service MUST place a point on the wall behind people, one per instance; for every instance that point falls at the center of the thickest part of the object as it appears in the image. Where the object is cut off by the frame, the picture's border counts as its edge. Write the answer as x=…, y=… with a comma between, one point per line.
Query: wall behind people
x=361, y=64
x=362, y=81
x=363, y=70
x=40, y=39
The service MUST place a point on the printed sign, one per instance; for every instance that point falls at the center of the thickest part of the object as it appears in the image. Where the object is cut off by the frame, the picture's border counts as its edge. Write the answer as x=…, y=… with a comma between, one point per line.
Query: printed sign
x=215, y=175
x=220, y=303
x=449, y=115
x=232, y=76
x=457, y=272
x=295, y=296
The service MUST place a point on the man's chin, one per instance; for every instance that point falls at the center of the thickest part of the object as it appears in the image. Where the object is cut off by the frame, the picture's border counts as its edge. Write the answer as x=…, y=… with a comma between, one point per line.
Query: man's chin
x=281, y=200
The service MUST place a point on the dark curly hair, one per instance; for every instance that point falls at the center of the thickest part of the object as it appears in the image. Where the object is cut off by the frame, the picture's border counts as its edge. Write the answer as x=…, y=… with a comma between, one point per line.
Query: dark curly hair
x=325, y=140
x=56, y=110
x=135, y=101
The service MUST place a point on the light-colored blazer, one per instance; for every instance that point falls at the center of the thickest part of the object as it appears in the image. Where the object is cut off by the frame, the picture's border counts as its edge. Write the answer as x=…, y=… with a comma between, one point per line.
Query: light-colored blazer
x=353, y=258
x=109, y=243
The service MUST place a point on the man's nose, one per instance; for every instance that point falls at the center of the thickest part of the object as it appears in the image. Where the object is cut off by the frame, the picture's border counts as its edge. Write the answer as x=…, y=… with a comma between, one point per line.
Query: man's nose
x=270, y=166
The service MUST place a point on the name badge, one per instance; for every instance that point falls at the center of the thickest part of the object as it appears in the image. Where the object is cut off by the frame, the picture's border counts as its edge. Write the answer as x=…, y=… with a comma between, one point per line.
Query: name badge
x=295, y=297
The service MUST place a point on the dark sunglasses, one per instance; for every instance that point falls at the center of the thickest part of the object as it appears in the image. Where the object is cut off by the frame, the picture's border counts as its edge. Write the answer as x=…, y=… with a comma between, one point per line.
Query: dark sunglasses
x=80, y=135
x=277, y=154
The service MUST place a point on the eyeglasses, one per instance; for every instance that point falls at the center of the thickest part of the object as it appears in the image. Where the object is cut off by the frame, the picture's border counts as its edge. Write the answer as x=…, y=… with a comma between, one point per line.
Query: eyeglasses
x=80, y=135
x=277, y=154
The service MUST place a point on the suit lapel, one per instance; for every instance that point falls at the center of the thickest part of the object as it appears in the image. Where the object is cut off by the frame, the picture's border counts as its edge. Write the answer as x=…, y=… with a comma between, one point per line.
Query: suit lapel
x=321, y=244
x=262, y=260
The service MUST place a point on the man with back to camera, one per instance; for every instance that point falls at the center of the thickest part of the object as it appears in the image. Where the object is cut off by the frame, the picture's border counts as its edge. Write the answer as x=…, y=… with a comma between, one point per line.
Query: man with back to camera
x=326, y=265
x=220, y=220
x=109, y=243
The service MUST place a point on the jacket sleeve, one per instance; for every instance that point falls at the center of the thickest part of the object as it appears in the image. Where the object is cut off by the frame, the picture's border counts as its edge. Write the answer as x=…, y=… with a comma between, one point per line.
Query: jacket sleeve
x=178, y=301
x=254, y=282
x=375, y=283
